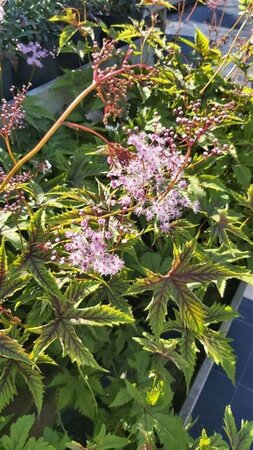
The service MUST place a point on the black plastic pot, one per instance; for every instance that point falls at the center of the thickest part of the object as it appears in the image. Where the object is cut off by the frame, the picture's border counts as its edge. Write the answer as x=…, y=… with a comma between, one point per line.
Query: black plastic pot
x=6, y=79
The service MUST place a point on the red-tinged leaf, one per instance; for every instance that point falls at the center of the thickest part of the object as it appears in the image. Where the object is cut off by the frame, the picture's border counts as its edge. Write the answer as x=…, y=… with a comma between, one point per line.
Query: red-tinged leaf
x=174, y=286
x=99, y=315
x=158, y=305
x=42, y=276
x=37, y=227
x=62, y=329
x=188, y=350
x=10, y=285
x=218, y=349
x=11, y=349
x=190, y=308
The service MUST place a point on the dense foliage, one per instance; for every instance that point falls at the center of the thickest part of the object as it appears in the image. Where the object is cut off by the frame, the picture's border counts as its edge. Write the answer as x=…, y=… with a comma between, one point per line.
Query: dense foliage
x=119, y=230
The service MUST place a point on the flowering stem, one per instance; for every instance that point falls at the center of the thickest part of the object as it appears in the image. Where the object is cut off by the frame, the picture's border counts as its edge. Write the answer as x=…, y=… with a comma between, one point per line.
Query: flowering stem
x=49, y=134
x=96, y=82
x=173, y=182
x=77, y=126
x=8, y=145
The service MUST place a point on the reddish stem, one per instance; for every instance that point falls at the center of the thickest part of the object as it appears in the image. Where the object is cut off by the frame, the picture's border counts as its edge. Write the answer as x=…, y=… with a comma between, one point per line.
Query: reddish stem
x=76, y=126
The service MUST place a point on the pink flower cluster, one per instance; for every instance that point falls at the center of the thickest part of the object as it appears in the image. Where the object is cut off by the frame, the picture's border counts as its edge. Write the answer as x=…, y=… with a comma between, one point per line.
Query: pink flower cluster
x=34, y=53
x=89, y=251
x=213, y=4
x=193, y=126
x=151, y=167
x=12, y=113
x=115, y=80
x=13, y=196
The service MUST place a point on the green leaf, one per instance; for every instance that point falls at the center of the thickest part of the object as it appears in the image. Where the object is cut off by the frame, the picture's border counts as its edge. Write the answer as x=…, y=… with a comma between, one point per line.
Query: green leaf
x=66, y=34
x=100, y=315
x=68, y=17
x=239, y=439
x=19, y=437
x=152, y=261
x=12, y=284
x=188, y=351
x=121, y=398
x=112, y=441
x=214, y=442
x=35, y=114
x=32, y=378
x=7, y=384
x=158, y=306
x=105, y=440
x=171, y=432
x=3, y=262
x=220, y=313
x=201, y=42
x=72, y=345
x=42, y=276
x=72, y=389
x=11, y=349
x=37, y=227
x=218, y=349
x=166, y=348
x=78, y=291
x=173, y=285
x=243, y=175
x=19, y=433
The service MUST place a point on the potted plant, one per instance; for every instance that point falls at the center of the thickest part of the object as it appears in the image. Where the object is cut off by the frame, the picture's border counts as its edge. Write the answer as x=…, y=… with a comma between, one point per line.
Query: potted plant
x=27, y=43
x=113, y=12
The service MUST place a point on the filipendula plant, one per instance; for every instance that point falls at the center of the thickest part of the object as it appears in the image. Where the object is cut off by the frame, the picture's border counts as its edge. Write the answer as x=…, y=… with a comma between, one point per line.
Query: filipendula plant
x=137, y=248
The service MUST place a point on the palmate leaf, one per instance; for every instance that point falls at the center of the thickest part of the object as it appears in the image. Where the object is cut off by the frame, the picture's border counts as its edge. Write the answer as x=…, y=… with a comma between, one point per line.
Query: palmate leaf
x=100, y=315
x=239, y=439
x=42, y=276
x=19, y=437
x=77, y=291
x=71, y=390
x=173, y=286
x=220, y=313
x=33, y=379
x=166, y=348
x=11, y=349
x=201, y=42
x=12, y=284
x=37, y=227
x=218, y=349
x=31, y=376
x=7, y=384
x=224, y=225
x=171, y=432
x=188, y=351
x=190, y=308
x=62, y=329
x=64, y=218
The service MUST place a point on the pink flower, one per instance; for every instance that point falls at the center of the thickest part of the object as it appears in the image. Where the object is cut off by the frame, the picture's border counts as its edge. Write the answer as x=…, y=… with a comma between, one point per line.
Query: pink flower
x=213, y=4
x=88, y=251
x=34, y=53
x=147, y=174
